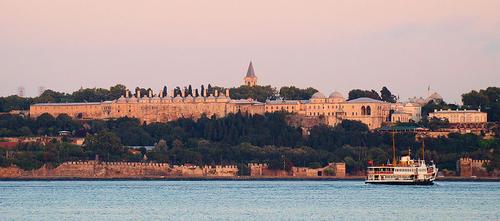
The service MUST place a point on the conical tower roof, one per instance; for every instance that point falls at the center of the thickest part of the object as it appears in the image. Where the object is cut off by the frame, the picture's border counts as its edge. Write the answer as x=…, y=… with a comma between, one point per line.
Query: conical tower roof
x=251, y=71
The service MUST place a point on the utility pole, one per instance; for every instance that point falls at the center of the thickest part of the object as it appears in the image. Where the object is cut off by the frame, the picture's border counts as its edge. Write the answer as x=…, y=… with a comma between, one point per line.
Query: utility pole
x=423, y=149
x=393, y=148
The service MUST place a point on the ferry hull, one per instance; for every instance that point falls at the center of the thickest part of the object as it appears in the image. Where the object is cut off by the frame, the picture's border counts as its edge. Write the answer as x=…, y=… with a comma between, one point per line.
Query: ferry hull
x=423, y=183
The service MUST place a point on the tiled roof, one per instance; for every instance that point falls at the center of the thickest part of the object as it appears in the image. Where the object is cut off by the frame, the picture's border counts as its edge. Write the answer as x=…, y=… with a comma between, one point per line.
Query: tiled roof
x=365, y=100
x=250, y=72
x=67, y=104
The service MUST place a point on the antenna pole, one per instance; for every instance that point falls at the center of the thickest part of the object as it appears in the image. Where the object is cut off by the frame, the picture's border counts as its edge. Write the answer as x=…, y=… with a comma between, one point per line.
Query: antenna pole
x=423, y=149
x=393, y=149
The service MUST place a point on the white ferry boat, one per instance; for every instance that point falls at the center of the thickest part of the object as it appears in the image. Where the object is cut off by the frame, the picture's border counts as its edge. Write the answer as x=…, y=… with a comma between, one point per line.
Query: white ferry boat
x=404, y=172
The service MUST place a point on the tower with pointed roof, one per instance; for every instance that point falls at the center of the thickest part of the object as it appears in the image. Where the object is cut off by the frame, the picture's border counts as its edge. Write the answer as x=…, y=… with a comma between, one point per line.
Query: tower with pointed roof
x=250, y=79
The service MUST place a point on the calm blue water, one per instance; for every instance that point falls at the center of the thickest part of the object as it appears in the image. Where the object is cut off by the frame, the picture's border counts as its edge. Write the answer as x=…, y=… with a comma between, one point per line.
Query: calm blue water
x=246, y=200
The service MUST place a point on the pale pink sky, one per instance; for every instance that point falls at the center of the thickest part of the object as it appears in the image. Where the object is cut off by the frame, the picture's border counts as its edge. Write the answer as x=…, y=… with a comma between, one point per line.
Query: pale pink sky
x=453, y=45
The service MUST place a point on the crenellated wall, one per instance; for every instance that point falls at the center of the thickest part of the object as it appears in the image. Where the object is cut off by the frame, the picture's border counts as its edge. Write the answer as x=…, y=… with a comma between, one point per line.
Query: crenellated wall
x=468, y=167
x=332, y=169
x=93, y=169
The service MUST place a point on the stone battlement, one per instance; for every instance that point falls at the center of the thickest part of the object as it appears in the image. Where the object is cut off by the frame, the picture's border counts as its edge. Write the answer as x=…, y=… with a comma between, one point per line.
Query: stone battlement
x=468, y=167
x=97, y=169
x=332, y=169
x=467, y=160
x=93, y=162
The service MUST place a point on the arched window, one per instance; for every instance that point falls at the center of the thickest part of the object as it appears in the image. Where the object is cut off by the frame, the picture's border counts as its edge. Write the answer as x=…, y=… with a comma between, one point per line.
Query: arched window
x=368, y=111
x=363, y=110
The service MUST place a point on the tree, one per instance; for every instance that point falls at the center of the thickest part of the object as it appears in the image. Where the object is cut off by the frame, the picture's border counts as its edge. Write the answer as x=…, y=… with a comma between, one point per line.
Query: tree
x=106, y=144
x=475, y=99
x=14, y=102
x=161, y=146
x=50, y=96
x=294, y=93
x=435, y=123
x=353, y=125
x=203, y=90
x=116, y=91
x=65, y=122
x=165, y=91
x=488, y=100
x=45, y=120
x=189, y=91
x=358, y=93
x=431, y=106
x=259, y=93
x=387, y=96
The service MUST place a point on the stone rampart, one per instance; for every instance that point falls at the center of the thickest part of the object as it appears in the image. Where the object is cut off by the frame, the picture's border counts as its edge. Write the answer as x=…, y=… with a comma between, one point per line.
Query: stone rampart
x=94, y=169
x=468, y=167
x=332, y=169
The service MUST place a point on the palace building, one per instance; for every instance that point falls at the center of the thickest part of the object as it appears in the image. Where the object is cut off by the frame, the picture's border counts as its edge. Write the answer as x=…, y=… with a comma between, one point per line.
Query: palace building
x=153, y=108
x=335, y=108
x=168, y=107
x=460, y=116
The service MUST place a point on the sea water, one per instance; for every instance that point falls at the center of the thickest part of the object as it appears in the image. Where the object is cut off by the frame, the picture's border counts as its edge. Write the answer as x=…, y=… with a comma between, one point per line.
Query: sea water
x=246, y=200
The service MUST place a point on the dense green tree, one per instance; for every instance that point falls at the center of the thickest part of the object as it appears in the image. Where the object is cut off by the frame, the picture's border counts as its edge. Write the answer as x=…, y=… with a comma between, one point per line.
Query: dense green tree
x=294, y=93
x=106, y=144
x=14, y=102
x=387, y=96
x=431, y=106
x=116, y=91
x=357, y=93
x=165, y=91
x=488, y=100
x=475, y=99
x=259, y=93
x=50, y=96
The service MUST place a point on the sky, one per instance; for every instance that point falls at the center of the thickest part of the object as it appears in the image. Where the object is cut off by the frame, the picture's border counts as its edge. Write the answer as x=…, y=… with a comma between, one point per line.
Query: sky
x=453, y=46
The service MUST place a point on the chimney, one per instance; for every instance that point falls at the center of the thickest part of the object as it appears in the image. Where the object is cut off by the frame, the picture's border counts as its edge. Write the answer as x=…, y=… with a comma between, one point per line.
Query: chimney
x=206, y=92
x=138, y=93
x=216, y=93
x=227, y=93
x=182, y=93
x=172, y=93
x=160, y=94
x=150, y=93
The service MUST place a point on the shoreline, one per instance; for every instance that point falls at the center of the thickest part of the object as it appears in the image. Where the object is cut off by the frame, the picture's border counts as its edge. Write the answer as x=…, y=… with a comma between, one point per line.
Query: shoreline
x=237, y=178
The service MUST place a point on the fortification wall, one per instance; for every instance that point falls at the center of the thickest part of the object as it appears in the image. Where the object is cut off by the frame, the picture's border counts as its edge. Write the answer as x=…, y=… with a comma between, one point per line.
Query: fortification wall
x=332, y=169
x=469, y=167
x=93, y=169
x=10, y=172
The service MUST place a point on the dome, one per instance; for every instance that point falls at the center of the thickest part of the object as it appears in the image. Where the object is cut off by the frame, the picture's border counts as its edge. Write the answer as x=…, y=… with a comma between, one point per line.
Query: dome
x=318, y=95
x=336, y=94
x=435, y=96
